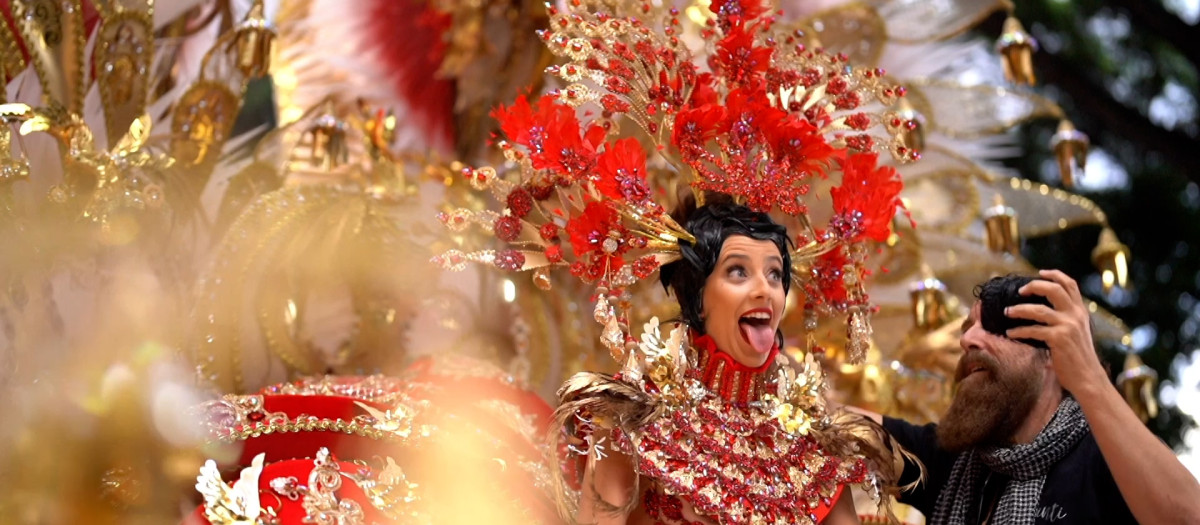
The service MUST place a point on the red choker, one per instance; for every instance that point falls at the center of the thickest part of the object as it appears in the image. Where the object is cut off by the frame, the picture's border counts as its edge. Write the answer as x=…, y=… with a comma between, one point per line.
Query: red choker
x=733, y=381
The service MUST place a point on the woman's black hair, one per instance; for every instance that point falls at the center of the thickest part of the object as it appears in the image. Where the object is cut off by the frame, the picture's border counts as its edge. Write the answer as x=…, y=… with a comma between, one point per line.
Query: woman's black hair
x=711, y=224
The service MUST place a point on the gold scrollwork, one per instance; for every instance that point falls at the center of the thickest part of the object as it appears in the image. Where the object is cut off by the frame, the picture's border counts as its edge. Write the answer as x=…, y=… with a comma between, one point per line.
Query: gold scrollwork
x=321, y=505
x=48, y=15
x=54, y=34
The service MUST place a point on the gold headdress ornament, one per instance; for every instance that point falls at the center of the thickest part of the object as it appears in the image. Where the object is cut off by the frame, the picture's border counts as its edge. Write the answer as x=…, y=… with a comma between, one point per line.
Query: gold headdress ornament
x=133, y=172
x=770, y=121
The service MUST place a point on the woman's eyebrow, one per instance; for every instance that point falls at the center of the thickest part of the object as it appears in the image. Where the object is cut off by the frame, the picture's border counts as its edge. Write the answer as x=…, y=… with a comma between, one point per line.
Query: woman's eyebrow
x=735, y=255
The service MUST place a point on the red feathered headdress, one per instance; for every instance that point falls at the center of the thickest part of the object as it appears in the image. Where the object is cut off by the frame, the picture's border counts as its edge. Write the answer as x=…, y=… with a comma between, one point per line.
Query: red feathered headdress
x=768, y=121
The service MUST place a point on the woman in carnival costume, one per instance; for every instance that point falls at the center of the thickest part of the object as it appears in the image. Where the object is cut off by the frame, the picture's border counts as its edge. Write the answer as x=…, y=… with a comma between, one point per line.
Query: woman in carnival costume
x=709, y=424
x=727, y=449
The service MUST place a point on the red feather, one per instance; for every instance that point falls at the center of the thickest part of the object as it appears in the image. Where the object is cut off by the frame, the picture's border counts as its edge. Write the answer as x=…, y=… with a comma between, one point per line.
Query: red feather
x=409, y=39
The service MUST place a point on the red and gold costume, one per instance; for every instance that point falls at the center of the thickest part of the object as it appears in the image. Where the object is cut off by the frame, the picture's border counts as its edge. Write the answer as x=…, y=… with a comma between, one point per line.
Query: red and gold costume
x=722, y=451
x=738, y=444
x=448, y=441
x=765, y=120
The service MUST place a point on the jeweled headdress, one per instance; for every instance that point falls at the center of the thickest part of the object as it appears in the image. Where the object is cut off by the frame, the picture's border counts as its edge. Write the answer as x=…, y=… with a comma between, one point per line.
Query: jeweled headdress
x=766, y=120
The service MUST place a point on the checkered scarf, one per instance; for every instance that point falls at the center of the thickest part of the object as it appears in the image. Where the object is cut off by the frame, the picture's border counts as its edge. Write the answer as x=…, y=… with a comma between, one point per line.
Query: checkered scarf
x=1026, y=466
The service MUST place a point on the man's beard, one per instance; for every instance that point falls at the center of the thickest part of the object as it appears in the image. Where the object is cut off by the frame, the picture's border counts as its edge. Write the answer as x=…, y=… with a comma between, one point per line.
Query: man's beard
x=988, y=409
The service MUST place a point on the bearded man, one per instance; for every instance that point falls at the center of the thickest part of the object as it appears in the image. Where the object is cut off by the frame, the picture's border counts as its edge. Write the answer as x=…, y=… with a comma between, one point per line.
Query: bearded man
x=1036, y=432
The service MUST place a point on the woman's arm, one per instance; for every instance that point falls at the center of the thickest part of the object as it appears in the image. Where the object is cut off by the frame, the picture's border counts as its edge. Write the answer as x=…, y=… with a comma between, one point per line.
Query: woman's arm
x=610, y=479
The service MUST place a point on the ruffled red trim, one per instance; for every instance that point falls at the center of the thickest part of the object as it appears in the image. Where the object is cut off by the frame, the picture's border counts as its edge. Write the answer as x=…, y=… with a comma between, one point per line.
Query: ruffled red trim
x=724, y=376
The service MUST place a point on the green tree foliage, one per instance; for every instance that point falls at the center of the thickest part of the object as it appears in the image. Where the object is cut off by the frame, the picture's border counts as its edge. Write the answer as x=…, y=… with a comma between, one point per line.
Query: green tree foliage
x=1126, y=74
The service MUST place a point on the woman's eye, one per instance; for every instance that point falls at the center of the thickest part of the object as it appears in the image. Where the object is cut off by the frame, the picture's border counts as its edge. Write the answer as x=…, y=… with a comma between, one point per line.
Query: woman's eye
x=776, y=275
x=737, y=271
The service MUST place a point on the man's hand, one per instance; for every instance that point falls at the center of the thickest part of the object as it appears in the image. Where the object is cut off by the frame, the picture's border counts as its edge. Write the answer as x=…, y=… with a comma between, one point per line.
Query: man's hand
x=1155, y=485
x=1067, y=330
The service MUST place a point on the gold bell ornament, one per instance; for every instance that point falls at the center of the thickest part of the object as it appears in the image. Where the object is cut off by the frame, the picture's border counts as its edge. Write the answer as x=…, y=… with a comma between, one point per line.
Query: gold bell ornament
x=1000, y=223
x=928, y=300
x=1016, y=48
x=1137, y=382
x=254, y=39
x=1070, y=150
x=1111, y=257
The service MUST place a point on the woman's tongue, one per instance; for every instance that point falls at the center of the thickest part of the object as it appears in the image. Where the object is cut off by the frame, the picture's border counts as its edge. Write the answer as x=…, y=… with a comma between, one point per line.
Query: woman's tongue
x=759, y=335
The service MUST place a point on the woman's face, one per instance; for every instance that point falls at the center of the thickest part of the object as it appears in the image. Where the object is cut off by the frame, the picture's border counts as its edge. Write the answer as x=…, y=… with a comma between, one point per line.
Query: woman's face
x=743, y=299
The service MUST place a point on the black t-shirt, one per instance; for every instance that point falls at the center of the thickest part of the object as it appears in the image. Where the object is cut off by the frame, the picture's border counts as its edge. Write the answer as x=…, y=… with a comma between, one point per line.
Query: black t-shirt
x=1078, y=489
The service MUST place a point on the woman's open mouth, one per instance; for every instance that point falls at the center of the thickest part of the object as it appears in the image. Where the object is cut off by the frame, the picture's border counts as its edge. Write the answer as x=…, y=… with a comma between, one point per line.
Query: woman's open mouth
x=756, y=329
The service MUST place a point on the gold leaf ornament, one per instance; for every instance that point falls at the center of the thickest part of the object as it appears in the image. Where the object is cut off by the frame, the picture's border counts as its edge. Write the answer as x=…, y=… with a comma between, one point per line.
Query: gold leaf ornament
x=396, y=420
x=237, y=504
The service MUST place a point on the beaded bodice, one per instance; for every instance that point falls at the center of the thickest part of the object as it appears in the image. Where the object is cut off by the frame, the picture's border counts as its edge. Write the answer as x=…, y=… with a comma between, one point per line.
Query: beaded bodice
x=729, y=454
